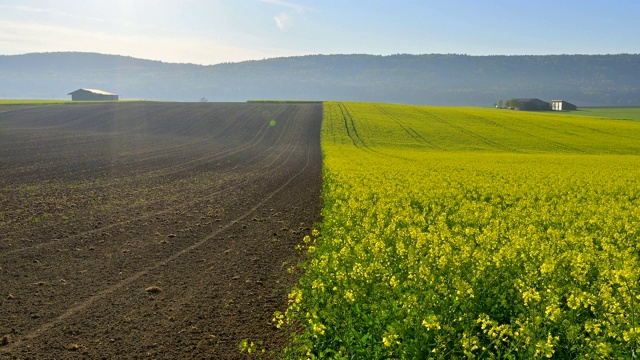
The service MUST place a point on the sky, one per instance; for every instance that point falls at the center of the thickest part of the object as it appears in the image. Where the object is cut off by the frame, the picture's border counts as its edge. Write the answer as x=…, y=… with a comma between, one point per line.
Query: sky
x=217, y=31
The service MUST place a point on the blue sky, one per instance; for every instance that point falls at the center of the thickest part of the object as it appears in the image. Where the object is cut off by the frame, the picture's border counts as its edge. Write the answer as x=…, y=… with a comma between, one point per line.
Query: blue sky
x=216, y=31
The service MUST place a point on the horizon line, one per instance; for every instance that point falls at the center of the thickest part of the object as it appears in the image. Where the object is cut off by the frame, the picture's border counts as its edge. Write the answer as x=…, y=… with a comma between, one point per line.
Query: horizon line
x=310, y=55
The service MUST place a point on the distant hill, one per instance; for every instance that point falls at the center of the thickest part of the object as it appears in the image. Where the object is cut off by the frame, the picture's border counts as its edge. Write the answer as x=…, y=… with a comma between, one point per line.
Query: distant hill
x=435, y=79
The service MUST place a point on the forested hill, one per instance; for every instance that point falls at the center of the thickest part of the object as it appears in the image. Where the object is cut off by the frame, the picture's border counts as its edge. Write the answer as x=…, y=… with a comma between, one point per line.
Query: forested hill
x=585, y=80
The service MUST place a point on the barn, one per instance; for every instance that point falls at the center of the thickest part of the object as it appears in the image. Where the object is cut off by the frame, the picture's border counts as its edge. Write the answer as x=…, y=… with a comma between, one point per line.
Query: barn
x=92, y=95
x=532, y=105
x=562, y=105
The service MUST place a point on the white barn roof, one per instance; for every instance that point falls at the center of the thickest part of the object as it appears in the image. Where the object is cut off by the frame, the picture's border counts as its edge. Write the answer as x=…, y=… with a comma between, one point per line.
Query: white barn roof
x=95, y=91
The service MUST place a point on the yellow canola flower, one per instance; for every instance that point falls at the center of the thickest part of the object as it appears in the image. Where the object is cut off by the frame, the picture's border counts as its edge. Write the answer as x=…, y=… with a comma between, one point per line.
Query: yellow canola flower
x=546, y=348
x=530, y=296
x=349, y=296
x=295, y=296
x=431, y=323
x=318, y=329
x=390, y=340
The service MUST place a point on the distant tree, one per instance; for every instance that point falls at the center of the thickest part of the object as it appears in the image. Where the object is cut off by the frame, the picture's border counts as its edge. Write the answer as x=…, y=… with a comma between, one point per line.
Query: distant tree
x=203, y=99
x=500, y=103
x=512, y=103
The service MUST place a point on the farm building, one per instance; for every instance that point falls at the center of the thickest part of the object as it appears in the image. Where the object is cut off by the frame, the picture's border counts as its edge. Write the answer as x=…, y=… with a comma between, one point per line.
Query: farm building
x=532, y=104
x=562, y=105
x=92, y=95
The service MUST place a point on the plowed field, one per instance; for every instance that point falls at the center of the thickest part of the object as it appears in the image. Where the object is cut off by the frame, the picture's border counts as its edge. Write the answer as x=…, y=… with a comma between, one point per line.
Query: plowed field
x=149, y=229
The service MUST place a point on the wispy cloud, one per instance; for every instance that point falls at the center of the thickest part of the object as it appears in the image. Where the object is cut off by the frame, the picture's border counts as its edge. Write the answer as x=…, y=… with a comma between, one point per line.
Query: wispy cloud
x=32, y=9
x=285, y=20
x=39, y=10
x=27, y=37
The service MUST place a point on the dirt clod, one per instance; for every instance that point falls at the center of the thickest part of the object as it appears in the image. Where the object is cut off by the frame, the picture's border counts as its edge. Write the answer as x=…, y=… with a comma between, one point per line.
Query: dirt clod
x=5, y=340
x=153, y=290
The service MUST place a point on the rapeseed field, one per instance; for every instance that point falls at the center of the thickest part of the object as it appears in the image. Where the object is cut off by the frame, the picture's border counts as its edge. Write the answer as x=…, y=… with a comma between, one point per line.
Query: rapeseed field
x=471, y=233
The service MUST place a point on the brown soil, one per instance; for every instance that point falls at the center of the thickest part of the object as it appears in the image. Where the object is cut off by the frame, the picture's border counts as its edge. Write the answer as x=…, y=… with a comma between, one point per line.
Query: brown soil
x=152, y=230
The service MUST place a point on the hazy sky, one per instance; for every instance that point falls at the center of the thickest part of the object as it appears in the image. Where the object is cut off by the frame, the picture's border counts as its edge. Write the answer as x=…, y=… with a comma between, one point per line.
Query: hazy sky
x=215, y=31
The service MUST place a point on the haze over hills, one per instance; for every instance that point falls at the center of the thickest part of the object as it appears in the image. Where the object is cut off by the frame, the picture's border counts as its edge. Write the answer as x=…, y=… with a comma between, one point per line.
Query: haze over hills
x=433, y=79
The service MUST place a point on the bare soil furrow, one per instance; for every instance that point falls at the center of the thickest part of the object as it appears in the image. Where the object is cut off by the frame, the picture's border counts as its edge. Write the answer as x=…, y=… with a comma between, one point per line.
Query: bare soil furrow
x=255, y=165
x=110, y=262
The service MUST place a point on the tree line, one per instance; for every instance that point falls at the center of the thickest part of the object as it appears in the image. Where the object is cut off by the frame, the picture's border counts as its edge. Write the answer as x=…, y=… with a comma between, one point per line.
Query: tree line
x=508, y=104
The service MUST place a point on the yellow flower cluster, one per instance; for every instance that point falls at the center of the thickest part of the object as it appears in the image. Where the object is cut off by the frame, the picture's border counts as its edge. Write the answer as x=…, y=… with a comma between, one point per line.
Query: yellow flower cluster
x=477, y=233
